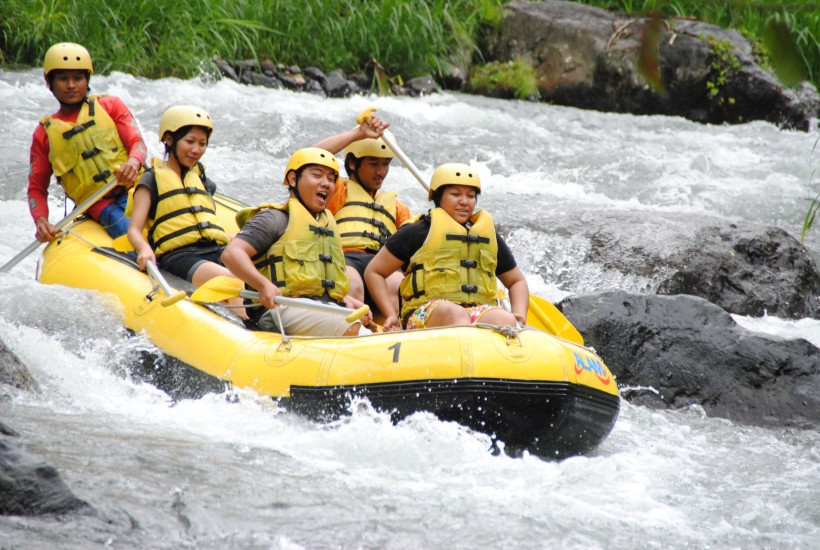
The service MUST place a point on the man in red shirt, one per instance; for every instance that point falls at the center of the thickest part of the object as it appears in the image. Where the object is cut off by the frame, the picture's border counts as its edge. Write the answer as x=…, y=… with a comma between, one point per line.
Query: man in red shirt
x=89, y=140
x=366, y=215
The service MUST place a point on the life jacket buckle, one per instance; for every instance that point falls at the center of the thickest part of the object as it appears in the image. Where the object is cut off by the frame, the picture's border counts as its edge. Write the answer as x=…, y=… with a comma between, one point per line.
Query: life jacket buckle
x=90, y=153
x=102, y=176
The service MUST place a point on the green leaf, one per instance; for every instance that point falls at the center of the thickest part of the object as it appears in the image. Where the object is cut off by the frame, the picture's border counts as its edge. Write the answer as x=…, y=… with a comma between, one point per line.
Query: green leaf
x=784, y=56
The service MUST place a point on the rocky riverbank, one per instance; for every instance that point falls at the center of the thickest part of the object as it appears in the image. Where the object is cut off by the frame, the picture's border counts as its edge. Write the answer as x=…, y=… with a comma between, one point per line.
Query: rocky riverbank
x=589, y=58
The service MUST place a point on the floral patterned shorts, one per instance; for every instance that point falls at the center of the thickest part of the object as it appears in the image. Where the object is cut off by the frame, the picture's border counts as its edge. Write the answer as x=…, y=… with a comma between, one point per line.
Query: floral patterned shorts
x=418, y=319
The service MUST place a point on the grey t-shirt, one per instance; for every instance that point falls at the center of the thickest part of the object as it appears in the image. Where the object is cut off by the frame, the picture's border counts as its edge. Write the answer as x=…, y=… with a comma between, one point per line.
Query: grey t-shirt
x=264, y=229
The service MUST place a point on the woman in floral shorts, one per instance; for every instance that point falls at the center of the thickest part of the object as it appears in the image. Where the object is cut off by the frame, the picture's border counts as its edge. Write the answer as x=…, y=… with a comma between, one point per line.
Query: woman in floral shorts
x=451, y=258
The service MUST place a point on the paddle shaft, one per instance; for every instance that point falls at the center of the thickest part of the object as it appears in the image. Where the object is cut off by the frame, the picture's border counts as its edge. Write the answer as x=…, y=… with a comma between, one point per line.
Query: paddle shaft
x=74, y=214
x=388, y=138
x=303, y=303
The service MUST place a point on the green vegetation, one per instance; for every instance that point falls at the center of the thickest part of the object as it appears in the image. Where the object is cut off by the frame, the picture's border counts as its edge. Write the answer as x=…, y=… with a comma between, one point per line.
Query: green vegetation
x=512, y=79
x=155, y=39
x=769, y=24
x=406, y=37
x=724, y=61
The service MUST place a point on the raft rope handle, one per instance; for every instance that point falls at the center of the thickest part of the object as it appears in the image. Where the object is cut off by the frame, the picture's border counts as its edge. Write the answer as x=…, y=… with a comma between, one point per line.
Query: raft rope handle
x=508, y=331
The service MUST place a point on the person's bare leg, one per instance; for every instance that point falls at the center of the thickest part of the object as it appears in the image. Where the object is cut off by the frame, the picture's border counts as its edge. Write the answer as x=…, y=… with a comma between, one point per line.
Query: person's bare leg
x=499, y=317
x=448, y=314
x=356, y=283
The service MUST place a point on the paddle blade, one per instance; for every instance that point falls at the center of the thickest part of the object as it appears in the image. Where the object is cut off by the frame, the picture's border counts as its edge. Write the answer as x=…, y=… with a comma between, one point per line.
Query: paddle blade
x=122, y=244
x=218, y=289
x=542, y=314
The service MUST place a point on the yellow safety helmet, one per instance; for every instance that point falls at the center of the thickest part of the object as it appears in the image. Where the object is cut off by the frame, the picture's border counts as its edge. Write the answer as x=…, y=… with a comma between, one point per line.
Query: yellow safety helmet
x=179, y=116
x=67, y=55
x=311, y=155
x=453, y=173
x=369, y=147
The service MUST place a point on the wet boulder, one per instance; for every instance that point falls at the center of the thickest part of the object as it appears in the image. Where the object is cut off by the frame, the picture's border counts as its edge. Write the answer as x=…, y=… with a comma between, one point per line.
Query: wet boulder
x=30, y=486
x=745, y=268
x=748, y=271
x=678, y=351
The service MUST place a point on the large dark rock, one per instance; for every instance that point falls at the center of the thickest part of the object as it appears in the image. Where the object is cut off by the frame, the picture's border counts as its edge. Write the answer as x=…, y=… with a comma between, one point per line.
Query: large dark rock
x=590, y=58
x=745, y=268
x=692, y=352
x=748, y=271
x=31, y=487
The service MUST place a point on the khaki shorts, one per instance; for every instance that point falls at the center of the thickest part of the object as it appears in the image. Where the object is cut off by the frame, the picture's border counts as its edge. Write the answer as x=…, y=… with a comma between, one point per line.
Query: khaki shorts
x=303, y=322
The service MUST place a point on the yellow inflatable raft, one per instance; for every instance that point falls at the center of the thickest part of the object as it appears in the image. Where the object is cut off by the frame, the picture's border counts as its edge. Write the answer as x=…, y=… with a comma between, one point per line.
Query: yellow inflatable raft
x=526, y=388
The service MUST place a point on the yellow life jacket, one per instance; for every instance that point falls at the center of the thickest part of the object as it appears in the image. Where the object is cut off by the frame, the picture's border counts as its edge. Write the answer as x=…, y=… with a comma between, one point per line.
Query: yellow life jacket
x=185, y=214
x=307, y=260
x=365, y=223
x=84, y=154
x=454, y=263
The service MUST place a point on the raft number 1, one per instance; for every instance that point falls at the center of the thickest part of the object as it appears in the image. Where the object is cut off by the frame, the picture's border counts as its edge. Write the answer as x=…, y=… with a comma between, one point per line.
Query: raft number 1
x=395, y=347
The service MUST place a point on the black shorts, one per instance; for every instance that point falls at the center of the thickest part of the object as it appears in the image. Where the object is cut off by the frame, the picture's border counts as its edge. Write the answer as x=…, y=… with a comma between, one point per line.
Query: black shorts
x=359, y=261
x=185, y=261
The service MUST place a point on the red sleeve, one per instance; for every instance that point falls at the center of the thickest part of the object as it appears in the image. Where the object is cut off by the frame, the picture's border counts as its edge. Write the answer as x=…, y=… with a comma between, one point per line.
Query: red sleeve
x=39, y=176
x=126, y=126
x=402, y=213
x=337, y=200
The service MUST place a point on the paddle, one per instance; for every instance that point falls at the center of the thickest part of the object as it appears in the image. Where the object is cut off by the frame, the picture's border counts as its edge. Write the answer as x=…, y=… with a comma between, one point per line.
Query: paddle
x=223, y=287
x=388, y=138
x=73, y=215
x=172, y=296
x=544, y=315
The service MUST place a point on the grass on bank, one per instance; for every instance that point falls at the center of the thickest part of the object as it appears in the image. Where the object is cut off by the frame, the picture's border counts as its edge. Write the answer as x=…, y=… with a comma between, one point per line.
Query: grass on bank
x=406, y=37
x=158, y=39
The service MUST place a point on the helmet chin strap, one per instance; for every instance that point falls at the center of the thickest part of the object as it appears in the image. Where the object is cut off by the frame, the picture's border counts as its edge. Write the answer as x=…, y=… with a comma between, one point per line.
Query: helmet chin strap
x=295, y=189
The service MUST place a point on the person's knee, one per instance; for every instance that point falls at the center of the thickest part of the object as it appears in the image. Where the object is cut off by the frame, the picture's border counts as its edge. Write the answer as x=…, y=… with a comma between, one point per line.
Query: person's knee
x=448, y=313
x=498, y=316
x=356, y=283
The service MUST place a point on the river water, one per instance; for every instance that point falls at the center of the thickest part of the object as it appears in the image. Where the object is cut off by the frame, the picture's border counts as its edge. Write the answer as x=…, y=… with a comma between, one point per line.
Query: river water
x=210, y=473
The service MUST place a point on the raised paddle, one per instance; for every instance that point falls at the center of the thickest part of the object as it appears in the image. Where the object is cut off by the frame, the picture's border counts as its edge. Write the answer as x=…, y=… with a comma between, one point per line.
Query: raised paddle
x=223, y=287
x=73, y=215
x=388, y=138
x=171, y=296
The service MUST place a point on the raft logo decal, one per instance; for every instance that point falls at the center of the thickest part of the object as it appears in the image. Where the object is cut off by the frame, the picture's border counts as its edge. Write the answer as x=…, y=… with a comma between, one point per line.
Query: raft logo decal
x=592, y=365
